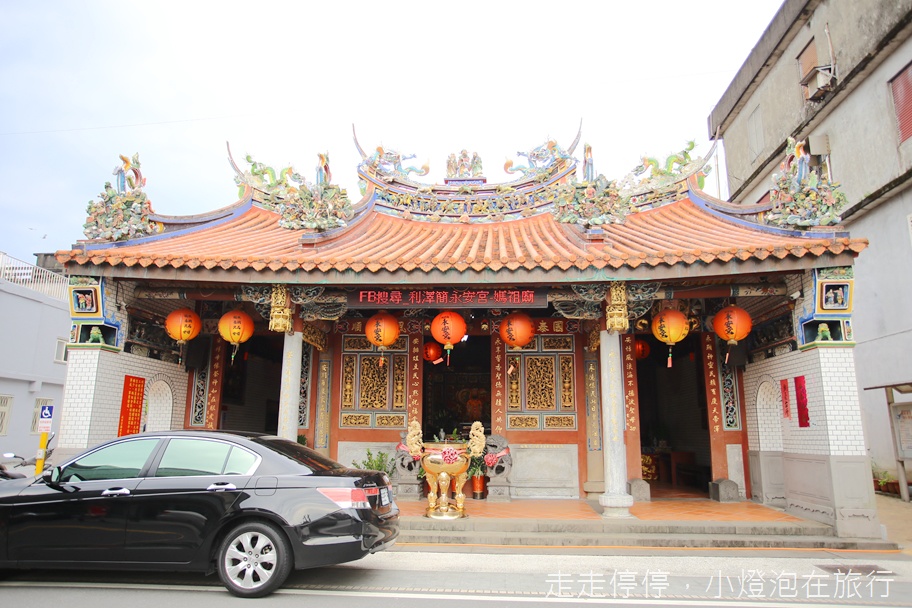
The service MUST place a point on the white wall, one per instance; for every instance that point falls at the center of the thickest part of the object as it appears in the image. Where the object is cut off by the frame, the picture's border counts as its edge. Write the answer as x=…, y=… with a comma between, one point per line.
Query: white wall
x=30, y=326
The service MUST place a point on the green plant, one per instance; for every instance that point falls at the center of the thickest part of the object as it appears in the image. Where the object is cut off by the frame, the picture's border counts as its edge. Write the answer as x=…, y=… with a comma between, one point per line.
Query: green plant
x=380, y=462
x=882, y=477
x=302, y=439
x=476, y=467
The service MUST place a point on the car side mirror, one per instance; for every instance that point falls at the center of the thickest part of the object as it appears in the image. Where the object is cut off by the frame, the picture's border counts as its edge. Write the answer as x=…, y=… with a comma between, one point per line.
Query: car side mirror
x=51, y=476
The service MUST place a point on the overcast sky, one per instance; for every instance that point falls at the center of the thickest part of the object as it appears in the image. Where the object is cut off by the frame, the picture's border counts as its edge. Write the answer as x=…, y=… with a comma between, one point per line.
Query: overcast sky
x=84, y=81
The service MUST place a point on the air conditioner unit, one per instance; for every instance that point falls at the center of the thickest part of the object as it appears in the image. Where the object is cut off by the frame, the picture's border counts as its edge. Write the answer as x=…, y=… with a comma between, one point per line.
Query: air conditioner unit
x=818, y=82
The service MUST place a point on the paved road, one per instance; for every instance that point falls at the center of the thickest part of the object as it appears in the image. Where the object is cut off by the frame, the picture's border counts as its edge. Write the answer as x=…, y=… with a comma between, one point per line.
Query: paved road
x=845, y=579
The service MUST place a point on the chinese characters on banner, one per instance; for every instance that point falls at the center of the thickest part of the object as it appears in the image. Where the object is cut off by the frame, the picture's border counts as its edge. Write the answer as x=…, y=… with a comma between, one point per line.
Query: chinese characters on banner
x=631, y=398
x=497, y=396
x=447, y=298
x=712, y=384
x=131, y=405
x=214, y=398
x=786, y=405
x=415, y=377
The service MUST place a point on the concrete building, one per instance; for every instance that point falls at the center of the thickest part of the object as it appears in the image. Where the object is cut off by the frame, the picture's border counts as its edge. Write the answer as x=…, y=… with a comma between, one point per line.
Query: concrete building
x=836, y=77
x=36, y=329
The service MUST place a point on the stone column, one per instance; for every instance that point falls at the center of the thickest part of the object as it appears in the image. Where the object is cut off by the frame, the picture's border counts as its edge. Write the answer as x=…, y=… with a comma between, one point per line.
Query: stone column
x=616, y=502
x=290, y=391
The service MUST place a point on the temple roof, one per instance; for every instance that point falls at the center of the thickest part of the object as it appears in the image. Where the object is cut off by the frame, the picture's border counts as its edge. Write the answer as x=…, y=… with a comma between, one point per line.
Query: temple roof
x=666, y=240
x=544, y=227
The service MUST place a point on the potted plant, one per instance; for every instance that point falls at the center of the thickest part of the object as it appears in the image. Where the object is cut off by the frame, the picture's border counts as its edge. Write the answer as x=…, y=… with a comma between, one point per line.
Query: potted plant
x=884, y=481
x=476, y=473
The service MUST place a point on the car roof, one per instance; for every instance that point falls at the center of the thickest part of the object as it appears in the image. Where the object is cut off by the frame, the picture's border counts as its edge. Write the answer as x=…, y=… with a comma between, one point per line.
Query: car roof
x=205, y=433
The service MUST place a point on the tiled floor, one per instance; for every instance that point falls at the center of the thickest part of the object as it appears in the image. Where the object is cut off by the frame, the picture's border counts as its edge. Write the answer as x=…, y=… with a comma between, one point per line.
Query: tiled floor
x=689, y=509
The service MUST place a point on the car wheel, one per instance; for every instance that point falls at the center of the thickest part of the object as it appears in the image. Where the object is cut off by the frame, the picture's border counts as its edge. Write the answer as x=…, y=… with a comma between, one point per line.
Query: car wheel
x=254, y=559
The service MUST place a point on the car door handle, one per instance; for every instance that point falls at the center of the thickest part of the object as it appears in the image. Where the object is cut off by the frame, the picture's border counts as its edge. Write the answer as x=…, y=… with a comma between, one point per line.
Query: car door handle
x=116, y=492
x=221, y=487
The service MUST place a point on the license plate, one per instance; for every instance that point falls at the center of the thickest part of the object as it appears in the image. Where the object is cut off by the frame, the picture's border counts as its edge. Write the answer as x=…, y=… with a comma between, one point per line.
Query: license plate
x=384, y=497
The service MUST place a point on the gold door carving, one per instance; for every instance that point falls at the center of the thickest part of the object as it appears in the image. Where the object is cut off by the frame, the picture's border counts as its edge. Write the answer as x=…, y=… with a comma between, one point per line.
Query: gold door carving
x=540, y=382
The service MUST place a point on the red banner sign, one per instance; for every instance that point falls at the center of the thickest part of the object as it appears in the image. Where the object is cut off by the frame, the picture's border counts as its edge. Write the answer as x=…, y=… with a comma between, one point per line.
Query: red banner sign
x=447, y=298
x=131, y=405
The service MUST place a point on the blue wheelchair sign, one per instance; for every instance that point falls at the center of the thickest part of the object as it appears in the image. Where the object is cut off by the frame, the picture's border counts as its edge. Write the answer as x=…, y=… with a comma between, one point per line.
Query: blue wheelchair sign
x=47, y=412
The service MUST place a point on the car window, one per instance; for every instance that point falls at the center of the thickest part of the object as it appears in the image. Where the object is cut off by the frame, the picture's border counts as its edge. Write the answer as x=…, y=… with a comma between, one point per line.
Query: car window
x=195, y=457
x=240, y=462
x=119, y=461
x=186, y=457
x=297, y=452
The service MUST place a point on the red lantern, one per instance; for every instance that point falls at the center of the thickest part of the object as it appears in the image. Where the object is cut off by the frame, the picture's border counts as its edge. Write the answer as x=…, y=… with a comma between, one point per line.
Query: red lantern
x=732, y=324
x=183, y=325
x=517, y=329
x=641, y=349
x=235, y=327
x=670, y=326
x=432, y=351
x=382, y=330
x=448, y=328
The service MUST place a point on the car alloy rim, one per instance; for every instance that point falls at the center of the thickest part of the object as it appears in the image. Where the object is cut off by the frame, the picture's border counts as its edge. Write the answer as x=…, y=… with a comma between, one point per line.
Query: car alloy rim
x=250, y=560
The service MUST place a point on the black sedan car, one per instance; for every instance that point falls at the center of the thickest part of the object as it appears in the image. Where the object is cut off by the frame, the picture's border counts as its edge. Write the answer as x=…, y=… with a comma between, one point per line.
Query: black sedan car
x=248, y=505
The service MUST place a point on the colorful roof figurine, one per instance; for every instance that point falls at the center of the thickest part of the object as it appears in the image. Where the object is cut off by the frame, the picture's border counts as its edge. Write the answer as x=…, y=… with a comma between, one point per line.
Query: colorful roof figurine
x=654, y=223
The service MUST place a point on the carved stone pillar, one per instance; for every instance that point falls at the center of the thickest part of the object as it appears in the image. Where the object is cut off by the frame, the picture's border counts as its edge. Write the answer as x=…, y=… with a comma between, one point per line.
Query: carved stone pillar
x=290, y=390
x=616, y=502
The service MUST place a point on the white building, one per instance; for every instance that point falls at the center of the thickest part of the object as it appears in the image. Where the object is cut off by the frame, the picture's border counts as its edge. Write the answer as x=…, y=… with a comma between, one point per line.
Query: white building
x=837, y=75
x=35, y=326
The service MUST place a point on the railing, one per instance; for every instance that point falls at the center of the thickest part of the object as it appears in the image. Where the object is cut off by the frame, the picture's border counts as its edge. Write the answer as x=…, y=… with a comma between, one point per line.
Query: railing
x=33, y=277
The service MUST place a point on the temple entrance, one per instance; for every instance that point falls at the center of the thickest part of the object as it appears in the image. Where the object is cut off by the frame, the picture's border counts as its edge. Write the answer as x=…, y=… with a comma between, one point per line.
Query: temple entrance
x=458, y=394
x=674, y=427
x=250, y=395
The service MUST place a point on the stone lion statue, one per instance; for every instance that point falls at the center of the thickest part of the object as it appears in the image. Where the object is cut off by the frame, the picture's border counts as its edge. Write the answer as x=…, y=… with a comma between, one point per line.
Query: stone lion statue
x=498, y=453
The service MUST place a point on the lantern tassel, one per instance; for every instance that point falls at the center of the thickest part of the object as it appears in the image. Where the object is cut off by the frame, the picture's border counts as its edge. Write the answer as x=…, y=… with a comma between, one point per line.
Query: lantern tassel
x=233, y=353
x=726, y=354
x=669, y=355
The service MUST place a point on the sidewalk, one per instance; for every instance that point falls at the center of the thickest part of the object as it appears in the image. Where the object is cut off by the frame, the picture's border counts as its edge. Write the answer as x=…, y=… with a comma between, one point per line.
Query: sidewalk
x=896, y=516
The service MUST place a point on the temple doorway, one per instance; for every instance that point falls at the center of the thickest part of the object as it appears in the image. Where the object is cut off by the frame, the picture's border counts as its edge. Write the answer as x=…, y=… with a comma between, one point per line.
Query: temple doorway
x=250, y=394
x=674, y=437
x=458, y=394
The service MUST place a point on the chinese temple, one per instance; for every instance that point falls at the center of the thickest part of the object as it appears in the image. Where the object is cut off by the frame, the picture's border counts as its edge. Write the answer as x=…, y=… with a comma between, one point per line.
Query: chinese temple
x=612, y=335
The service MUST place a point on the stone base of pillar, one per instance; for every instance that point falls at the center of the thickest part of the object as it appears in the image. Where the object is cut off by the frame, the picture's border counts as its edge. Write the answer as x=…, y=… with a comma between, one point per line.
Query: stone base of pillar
x=498, y=490
x=724, y=490
x=639, y=489
x=616, y=505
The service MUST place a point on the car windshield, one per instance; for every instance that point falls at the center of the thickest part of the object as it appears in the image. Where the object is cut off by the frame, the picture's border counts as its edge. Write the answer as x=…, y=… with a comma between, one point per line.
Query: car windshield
x=297, y=452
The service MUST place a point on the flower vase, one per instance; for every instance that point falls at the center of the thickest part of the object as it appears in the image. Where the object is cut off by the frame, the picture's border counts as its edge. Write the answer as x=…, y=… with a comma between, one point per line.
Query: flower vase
x=478, y=487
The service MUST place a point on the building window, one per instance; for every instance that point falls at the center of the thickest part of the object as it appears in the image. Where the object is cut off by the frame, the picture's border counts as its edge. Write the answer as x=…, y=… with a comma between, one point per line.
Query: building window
x=755, y=134
x=6, y=405
x=902, y=101
x=60, y=355
x=807, y=62
x=39, y=403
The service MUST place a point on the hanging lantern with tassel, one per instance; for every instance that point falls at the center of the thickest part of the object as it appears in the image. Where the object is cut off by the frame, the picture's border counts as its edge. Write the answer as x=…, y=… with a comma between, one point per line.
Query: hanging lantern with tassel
x=235, y=327
x=517, y=330
x=448, y=328
x=432, y=351
x=183, y=325
x=670, y=326
x=382, y=330
x=732, y=324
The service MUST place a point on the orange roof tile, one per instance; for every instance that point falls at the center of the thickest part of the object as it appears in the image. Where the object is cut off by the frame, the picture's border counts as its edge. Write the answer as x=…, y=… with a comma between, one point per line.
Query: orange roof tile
x=676, y=234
